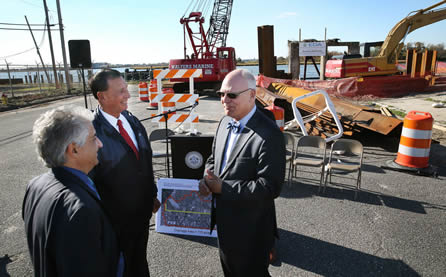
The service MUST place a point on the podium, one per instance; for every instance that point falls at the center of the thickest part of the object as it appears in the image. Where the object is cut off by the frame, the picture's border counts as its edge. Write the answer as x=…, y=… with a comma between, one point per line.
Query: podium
x=189, y=155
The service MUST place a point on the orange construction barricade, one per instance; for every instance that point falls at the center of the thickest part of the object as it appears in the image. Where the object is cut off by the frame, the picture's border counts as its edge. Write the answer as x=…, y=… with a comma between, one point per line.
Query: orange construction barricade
x=279, y=115
x=167, y=106
x=153, y=88
x=143, y=92
x=415, y=140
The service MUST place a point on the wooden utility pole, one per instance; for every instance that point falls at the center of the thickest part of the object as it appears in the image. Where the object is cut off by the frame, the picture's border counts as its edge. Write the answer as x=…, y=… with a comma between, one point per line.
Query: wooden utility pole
x=9, y=77
x=38, y=78
x=51, y=44
x=37, y=48
x=64, y=53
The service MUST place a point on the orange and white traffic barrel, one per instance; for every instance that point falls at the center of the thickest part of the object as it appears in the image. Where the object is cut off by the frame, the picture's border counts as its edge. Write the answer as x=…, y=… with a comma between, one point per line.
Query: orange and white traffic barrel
x=167, y=106
x=153, y=88
x=279, y=115
x=143, y=92
x=415, y=140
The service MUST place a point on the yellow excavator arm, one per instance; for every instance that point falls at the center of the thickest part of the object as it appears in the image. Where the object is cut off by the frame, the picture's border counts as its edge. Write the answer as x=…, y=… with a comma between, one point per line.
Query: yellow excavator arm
x=385, y=62
x=413, y=21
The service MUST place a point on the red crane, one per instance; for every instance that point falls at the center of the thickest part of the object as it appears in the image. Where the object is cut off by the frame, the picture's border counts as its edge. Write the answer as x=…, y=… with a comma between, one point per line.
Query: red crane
x=209, y=51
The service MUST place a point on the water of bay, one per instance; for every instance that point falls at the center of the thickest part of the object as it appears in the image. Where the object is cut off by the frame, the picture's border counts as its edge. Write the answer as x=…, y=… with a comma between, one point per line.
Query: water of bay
x=311, y=72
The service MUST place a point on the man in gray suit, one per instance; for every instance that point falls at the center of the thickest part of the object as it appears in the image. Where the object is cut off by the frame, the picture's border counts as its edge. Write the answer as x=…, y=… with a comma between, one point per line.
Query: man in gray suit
x=244, y=173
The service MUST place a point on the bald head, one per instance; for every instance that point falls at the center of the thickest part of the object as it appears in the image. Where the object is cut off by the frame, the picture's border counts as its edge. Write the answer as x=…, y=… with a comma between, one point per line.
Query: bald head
x=238, y=80
x=238, y=92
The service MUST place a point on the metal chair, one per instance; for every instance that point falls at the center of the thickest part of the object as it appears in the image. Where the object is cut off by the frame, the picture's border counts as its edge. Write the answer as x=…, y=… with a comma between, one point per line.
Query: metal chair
x=290, y=144
x=310, y=151
x=345, y=155
x=160, y=135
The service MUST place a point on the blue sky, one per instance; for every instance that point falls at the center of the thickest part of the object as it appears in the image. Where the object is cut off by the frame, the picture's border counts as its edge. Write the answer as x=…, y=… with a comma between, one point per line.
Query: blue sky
x=148, y=31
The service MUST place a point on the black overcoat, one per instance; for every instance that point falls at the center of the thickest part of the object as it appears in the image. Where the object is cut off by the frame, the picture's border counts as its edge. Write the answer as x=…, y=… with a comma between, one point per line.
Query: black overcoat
x=68, y=231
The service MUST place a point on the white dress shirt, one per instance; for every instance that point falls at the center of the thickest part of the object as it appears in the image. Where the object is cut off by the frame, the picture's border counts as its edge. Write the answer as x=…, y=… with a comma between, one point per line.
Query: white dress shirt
x=232, y=138
x=114, y=122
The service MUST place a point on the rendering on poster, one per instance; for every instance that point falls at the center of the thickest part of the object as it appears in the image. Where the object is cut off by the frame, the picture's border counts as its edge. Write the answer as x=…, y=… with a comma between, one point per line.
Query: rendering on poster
x=183, y=210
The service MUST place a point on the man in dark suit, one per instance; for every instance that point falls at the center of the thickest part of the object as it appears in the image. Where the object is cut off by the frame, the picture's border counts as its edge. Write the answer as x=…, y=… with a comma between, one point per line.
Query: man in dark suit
x=68, y=231
x=124, y=175
x=245, y=173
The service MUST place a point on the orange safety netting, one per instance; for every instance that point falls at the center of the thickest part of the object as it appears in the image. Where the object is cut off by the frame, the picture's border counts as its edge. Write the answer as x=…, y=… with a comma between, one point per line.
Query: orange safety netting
x=354, y=87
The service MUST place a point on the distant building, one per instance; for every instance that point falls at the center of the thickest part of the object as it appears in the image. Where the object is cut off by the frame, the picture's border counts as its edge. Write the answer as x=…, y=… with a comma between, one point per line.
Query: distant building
x=100, y=65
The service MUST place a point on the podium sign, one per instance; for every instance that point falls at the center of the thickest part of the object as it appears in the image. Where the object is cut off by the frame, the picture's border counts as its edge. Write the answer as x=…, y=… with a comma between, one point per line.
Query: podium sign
x=189, y=155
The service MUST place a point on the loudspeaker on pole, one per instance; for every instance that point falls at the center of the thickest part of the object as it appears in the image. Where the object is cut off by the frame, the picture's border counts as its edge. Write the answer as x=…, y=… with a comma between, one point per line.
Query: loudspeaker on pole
x=80, y=55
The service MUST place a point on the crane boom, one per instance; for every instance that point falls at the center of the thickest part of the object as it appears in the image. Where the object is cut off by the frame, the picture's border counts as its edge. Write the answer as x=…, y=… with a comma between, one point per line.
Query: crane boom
x=219, y=23
x=409, y=24
x=209, y=48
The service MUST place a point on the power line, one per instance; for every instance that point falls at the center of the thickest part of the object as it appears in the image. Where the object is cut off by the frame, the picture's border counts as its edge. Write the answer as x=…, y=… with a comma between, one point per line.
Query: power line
x=32, y=4
x=19, y=24
x=16, y=29
x=30, y=49
x=35, y=5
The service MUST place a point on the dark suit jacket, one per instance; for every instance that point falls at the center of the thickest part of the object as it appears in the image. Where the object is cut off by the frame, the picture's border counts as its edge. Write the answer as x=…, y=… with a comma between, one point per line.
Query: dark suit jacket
x=126, y=184
x=252, y=178
x=67, y=229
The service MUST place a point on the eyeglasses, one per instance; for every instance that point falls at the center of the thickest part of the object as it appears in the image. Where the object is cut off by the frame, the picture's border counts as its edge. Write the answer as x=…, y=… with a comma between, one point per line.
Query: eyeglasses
x=231, y=95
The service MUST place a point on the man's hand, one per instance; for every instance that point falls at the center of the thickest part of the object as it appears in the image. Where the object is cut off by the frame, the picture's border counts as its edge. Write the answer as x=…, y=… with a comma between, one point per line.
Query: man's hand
x=156, y=205
x=213, y=182
x=203, y=188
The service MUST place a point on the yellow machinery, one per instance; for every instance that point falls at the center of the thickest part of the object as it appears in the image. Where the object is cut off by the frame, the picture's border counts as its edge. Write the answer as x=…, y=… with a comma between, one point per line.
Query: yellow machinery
x=385, y=62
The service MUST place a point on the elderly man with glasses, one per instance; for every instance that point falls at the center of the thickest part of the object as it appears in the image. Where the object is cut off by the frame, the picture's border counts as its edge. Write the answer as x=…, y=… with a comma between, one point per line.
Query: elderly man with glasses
x=244, y=173
x=68, y=230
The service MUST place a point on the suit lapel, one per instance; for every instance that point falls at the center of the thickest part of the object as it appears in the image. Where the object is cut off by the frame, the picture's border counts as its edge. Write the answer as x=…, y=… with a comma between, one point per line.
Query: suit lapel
x=108, y=128
x=221, y=139
x=68, y=179
x=243, y=138
x=138, y=135
x=111, y=131
x=241, y=142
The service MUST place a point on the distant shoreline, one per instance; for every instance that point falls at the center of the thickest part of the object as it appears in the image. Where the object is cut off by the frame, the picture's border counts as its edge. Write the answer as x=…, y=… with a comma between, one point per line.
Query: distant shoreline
x=129, y=66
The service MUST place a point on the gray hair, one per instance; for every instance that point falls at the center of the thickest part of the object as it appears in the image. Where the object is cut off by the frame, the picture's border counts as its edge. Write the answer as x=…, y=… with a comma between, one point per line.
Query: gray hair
x=54, y=130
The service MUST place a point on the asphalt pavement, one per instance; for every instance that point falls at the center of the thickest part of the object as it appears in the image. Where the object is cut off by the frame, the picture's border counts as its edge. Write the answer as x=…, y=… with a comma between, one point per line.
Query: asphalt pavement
x=396, y=227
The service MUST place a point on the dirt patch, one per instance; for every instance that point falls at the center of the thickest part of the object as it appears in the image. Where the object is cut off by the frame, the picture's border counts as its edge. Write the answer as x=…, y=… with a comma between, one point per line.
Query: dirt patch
x=30, y=99
x=439, y=136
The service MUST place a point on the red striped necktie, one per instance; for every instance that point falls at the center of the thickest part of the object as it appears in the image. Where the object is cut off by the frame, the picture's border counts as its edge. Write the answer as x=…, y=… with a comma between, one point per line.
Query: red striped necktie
x=127, y=138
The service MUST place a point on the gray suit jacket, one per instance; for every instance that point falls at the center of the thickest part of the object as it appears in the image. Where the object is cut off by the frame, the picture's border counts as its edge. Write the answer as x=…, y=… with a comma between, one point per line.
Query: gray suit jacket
x=252, y=178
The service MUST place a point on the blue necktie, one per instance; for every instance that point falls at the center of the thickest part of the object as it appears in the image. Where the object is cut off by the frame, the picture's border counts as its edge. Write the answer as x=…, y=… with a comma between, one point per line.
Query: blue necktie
x=233, y=126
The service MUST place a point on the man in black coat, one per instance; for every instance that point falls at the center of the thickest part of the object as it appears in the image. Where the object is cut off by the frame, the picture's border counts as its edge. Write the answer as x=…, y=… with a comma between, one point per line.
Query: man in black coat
x=124, y=175
x=68, y=231
x=245, y=173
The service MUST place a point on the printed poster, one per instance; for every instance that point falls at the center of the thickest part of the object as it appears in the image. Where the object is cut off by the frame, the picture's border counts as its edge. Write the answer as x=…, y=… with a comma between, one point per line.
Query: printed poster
x=183, y=211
